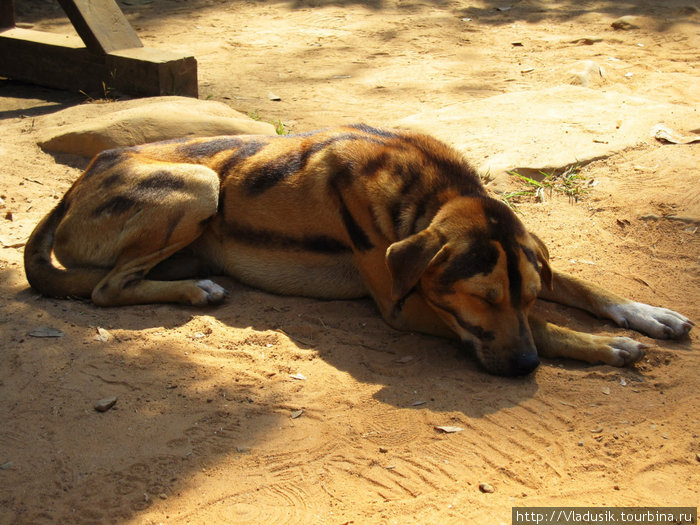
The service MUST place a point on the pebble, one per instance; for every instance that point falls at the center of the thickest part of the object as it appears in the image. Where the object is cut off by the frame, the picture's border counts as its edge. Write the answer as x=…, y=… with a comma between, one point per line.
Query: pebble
x=589, y=41
x=486, y=488
x=46, y=331
x=697, y=457
x=105, y=404
x=625, y=23
x=383, y=450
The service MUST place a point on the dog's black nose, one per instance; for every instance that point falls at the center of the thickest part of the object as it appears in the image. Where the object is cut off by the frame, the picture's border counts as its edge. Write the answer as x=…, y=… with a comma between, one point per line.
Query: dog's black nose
x=523, y=364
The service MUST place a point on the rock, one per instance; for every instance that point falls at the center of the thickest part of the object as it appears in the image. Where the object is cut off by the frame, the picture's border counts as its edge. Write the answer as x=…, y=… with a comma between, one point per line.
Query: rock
x=486, y=488
x=565, y=125
x=46, y=331
x=584, y=73
x=84, y=131
x=587, y=40
x=449, y=429
x=625, y=23
x=105, y=404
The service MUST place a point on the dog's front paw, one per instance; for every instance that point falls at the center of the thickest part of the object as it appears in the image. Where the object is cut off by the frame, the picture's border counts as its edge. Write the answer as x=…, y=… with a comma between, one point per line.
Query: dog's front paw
x=625, y=351
x=660, y=323
x=209, y=293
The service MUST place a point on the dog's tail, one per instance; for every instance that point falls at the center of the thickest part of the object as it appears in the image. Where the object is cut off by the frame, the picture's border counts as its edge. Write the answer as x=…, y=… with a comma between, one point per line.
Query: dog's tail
x=41, y=273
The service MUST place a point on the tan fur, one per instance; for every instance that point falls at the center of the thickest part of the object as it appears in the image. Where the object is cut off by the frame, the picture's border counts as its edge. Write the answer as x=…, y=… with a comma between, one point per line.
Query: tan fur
x=339, y=213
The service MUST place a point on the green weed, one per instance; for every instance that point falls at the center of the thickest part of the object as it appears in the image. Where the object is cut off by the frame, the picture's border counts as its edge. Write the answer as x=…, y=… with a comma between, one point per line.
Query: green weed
x=567, y=182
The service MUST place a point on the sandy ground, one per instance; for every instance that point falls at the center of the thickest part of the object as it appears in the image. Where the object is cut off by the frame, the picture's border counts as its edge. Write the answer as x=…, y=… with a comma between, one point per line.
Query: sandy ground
x=286, y=410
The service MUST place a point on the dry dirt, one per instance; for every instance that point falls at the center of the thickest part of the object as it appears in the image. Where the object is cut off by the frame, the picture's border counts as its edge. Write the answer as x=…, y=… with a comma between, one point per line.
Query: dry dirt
x=211, y=425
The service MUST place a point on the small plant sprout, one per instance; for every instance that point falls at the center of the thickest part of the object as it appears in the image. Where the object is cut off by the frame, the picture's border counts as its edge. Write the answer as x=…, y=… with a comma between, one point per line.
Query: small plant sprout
x=569, y=182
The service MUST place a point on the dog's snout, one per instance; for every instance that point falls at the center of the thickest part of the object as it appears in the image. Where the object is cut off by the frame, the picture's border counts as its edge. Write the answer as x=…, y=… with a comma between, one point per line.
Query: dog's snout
x=525, y=363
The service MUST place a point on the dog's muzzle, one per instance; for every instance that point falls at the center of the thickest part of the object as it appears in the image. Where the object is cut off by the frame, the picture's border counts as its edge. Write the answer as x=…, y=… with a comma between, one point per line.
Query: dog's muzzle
x=523, y=364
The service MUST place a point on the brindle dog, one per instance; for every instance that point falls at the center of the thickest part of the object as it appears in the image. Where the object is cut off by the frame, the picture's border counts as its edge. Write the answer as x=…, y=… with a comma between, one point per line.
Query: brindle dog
x=338, y=213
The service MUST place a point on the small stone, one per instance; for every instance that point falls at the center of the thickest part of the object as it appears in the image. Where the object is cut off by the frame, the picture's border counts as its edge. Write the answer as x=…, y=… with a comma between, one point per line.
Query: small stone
x=447, y=429
x=486, y=488
x=46, y=331
x=105, y=404
x=383, y=450
x=163, y=495
x=586, y=40
x=273, y=97
x=102, y=335
x=685, y=10
x=697, y=457
x=625, y=23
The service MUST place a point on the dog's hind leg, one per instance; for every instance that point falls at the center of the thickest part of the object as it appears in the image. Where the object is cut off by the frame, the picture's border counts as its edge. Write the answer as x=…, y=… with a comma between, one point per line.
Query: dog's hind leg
x=154, y=232
x=660, y=323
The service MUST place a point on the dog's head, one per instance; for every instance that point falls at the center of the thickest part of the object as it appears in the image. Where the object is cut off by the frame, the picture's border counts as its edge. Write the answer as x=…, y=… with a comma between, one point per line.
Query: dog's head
x=480, y=270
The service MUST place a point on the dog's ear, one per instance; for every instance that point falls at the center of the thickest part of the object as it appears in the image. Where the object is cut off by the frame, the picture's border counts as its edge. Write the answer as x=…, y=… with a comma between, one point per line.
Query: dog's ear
x=543, y=257
x=408, y=259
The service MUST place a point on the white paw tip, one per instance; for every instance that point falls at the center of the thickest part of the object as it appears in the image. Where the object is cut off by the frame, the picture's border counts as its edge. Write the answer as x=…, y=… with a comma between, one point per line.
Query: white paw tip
x=214, y=292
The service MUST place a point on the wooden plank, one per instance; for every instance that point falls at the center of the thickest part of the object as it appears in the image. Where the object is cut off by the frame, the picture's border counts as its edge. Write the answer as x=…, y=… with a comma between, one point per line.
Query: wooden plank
x=150, y=72
x=7, y=13
x=101, y=24
x=48, y=59
x=62, y=61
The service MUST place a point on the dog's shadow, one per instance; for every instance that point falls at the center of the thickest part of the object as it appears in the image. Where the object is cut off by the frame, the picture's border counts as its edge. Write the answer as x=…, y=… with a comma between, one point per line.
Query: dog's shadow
x=414, y=371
